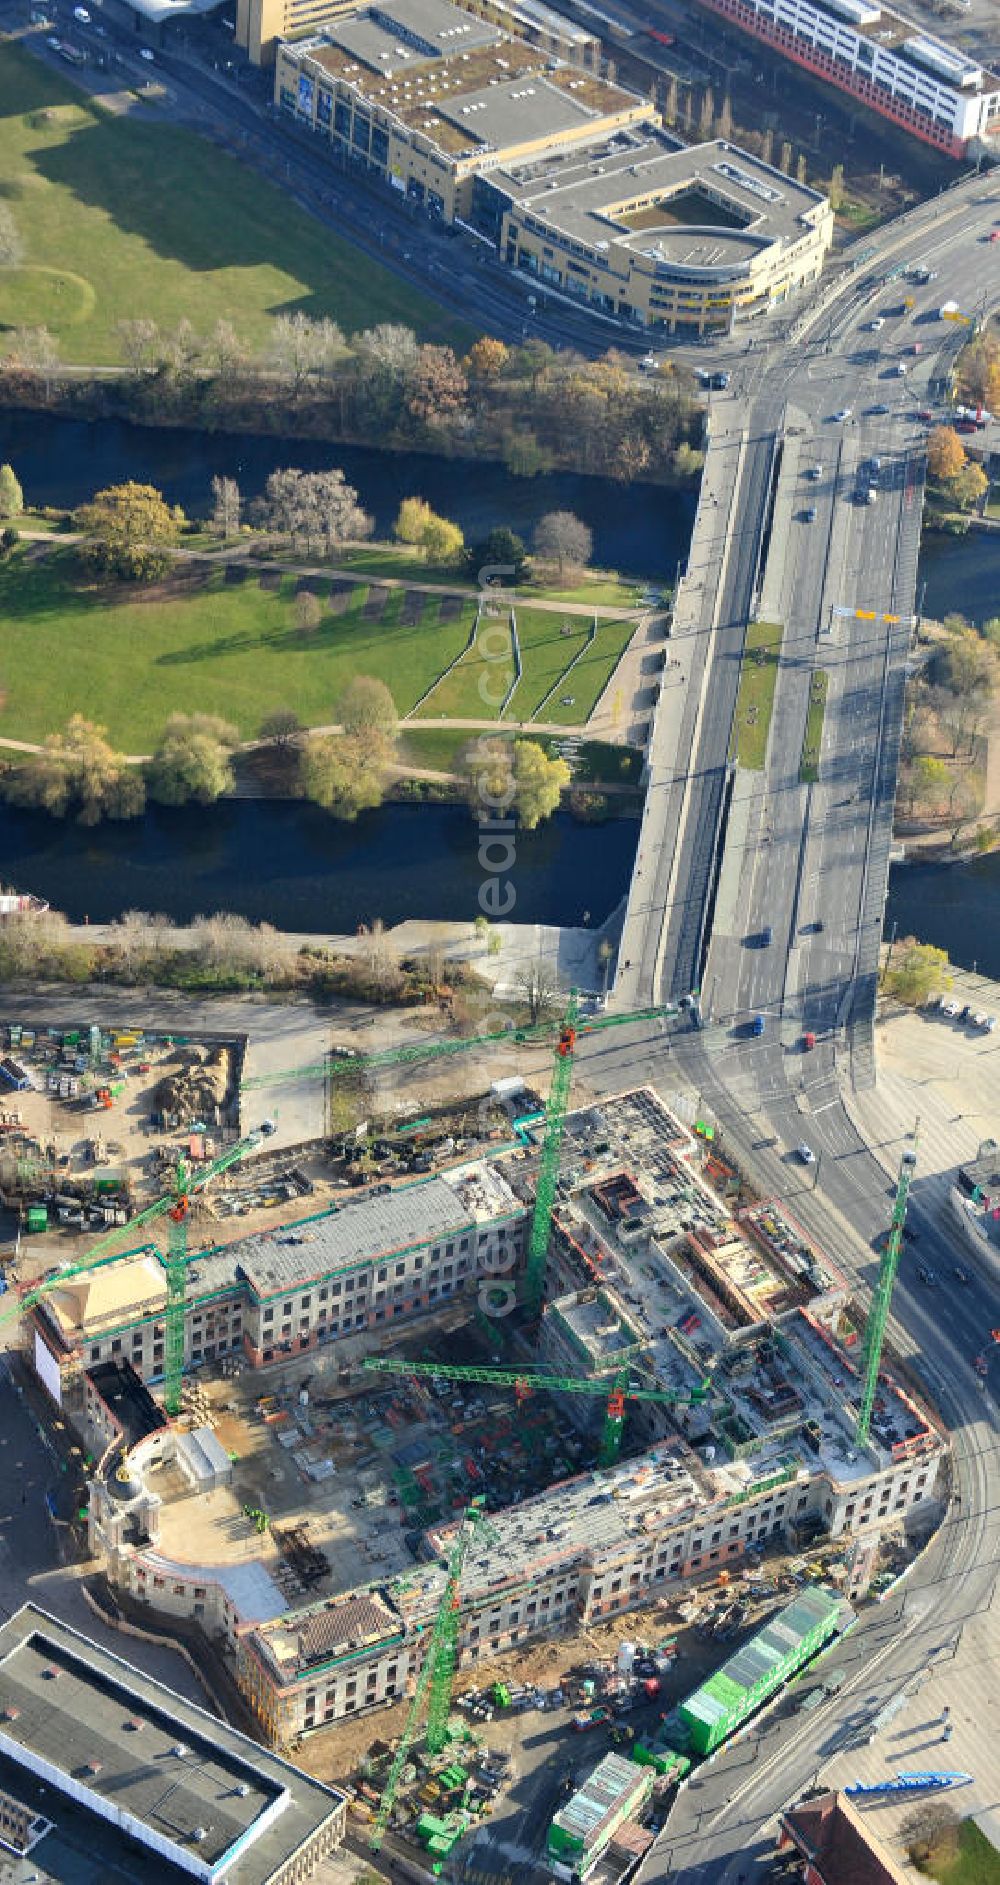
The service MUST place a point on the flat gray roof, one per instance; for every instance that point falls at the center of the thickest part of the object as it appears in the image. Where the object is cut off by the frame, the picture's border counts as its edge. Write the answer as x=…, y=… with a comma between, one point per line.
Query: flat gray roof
x=510, y=114
x=437, y=21
x=408, y=32
x=359, y=1231
x=578, y=193
x=156, y=1782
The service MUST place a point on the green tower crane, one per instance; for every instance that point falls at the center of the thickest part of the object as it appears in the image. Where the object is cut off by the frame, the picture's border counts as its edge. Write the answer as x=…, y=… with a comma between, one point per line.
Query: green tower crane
x=548, y=1170
x=527, y=1381
x=570, y=1029
x=878, y=1314
x=437, y=1670
x=536, y=1033
x=175, y=1206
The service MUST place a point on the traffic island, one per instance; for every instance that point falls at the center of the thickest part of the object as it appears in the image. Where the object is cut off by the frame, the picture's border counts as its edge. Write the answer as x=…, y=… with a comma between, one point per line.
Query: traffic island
x=813, y=737
x=755, y=700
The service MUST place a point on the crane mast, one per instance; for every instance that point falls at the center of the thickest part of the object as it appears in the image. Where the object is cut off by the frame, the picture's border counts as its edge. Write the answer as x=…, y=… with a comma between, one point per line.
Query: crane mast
x=548, y=1170
x=879, y=1313
x=436, y=1671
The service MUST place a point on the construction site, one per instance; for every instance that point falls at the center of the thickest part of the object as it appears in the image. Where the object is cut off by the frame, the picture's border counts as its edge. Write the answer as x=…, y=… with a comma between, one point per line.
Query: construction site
x=517, y=1404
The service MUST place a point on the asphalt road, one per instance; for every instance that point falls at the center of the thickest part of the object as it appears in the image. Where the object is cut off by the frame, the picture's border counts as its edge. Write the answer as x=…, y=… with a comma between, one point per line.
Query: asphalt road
x=814, y=870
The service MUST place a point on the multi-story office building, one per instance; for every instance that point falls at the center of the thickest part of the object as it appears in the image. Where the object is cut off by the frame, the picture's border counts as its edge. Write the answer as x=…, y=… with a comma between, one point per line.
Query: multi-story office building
x=105, y=1773
x=568, y=178
x=260, y=24
x=369, y=1261
x=882, y=59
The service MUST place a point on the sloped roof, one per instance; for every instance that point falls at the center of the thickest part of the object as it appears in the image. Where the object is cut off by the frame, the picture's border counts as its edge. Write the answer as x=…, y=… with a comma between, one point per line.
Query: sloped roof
x=842, y=1849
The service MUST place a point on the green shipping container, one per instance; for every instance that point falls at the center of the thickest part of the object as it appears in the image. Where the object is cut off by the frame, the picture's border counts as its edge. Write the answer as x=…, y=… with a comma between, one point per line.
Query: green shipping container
x=761, y=1667
x=38, y=1217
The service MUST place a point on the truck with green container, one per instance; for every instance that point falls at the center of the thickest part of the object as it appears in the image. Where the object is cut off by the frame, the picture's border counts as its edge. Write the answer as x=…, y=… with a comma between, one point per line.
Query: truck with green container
x=751, y=1677
x=616, y=1790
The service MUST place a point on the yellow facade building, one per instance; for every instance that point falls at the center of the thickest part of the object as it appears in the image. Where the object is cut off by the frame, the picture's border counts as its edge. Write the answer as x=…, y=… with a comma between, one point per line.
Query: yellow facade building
x=569, y=178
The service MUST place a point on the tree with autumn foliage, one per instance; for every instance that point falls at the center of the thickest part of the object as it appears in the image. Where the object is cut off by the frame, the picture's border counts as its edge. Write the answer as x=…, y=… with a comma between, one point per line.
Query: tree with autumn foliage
x=124, y=529
x=945, y=453
x=486, y=359
x=437, y=387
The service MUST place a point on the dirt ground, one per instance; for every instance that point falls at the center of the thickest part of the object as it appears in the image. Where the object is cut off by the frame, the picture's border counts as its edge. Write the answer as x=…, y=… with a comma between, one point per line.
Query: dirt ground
x=333, y=1754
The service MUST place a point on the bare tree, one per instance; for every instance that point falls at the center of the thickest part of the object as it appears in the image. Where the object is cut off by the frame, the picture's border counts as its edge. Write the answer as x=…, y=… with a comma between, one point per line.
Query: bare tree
x=226, y=351
x=318, y=507
x=932, y=1828
x=139, y=341
x=308, y=612
x=301, y=347
x=181, y=349
x=564, y=539
x=35, y=350
x=132, y=938
x=537, y=983
x=282, y=727
x=226, y=506
x=387, y=348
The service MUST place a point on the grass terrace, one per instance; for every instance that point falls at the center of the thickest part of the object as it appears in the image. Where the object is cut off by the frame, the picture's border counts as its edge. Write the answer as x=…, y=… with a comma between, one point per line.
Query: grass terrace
x=476, y=686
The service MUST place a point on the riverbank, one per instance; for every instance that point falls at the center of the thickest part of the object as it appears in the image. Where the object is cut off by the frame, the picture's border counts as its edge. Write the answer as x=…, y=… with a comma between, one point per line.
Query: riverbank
x=412, y=965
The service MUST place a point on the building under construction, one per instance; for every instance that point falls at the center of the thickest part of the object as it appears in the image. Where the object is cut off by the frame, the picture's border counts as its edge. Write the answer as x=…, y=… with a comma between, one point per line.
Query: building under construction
x=660, y=1275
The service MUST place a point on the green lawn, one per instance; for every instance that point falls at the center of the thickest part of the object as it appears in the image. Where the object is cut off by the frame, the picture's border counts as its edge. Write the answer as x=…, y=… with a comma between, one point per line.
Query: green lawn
x=602, y=589
x=383, y=559
x=813, y=740
x=437, y=748
x=129, y=658
x=975, y=1863
x=548, y=643
x=756, y=694
x=595, y=762
x=590, y=677
x=475, y=689
x=121, y=219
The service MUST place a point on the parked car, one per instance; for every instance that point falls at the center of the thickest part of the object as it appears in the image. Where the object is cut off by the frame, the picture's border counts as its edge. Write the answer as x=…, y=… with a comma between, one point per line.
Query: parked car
x=805, y=1153
x=758, y=1025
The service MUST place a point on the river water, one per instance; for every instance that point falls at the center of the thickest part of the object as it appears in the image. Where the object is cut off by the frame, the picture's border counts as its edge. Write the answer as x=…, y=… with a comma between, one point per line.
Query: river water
x=639, y=529
x=294, y=866
x=290, y=864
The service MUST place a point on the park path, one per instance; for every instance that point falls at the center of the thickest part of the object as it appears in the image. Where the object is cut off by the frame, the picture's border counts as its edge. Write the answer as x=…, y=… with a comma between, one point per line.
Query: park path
x=242, y=553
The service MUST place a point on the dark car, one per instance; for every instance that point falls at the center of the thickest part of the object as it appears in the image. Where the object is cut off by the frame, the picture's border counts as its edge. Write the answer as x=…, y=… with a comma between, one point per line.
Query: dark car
x=757, y=1025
